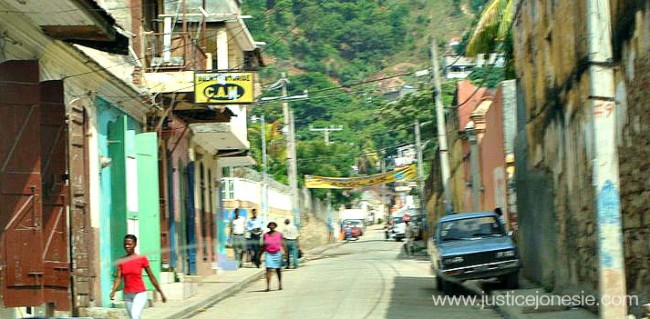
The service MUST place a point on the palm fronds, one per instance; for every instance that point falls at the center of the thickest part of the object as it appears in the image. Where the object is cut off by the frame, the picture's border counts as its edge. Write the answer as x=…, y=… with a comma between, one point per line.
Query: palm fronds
x=492, y=28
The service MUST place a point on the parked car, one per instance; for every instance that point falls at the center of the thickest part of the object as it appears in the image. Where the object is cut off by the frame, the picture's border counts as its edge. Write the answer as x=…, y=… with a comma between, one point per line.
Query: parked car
x=473, y=246
x=353, y=228
x=357, y=224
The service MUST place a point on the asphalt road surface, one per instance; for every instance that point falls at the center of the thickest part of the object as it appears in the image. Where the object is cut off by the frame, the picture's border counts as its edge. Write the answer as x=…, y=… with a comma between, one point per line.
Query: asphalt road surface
x=368, y=278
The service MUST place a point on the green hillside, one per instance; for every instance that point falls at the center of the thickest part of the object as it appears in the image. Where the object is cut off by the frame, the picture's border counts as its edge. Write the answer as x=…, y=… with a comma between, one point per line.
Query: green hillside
x=347, y=54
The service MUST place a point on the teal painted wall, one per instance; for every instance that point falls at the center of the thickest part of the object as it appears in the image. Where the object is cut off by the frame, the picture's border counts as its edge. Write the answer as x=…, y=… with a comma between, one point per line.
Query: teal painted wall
x=149, y=201
x=113, y=210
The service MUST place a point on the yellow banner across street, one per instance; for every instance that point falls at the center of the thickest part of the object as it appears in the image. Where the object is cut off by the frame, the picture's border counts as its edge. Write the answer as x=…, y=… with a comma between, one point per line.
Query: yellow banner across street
x=404, y=173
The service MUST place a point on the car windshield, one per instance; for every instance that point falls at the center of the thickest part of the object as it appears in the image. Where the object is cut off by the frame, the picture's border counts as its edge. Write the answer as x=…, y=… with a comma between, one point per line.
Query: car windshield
x=471, y=228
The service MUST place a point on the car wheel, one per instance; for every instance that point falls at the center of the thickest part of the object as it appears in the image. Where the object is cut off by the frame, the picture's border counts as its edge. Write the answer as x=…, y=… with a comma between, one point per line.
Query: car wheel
x=511, y=281
x=444, y=286
x=438, y=283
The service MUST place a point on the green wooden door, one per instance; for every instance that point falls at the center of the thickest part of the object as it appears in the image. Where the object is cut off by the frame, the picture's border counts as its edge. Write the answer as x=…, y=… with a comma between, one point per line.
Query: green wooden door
x=149, y=200
x=117, y=153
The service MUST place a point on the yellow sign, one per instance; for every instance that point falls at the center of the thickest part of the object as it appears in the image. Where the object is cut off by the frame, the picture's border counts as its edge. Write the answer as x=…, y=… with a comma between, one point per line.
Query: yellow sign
x=223, y=88
x=407, y=172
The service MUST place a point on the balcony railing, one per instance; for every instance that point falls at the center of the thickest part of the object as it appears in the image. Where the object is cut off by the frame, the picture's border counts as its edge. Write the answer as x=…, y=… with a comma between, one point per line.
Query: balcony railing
x=174, y=52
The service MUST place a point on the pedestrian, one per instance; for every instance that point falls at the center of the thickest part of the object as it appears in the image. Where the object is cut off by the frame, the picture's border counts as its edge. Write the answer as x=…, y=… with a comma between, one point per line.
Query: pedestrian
x=499, y=213
x=330, y=230
x=290, y=234
x=254, y=228
x=409, y=235
x=130, y=268
x=273, y=254
x=237, y=233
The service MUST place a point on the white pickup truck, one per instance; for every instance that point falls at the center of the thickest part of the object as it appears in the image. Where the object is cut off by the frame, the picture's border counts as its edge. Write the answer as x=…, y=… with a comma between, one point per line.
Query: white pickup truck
x=398, y=231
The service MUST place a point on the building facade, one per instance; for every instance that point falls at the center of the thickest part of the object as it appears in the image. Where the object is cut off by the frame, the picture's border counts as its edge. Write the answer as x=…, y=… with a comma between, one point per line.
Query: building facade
x=56, y=90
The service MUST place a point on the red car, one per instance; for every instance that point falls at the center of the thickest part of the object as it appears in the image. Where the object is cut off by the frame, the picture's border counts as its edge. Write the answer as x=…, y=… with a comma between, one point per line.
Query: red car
x=355, y=228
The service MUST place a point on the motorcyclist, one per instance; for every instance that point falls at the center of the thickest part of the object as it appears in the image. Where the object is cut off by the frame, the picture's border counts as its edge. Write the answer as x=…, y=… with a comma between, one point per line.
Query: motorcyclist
x=387, y=228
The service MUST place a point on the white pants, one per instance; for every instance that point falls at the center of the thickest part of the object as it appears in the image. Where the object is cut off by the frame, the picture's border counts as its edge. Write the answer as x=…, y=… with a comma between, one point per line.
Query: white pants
x=135, y=303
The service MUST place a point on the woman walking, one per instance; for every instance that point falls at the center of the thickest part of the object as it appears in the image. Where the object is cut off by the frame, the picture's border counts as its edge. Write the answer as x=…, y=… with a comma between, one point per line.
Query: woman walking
x=130, y=268
x=273, y=254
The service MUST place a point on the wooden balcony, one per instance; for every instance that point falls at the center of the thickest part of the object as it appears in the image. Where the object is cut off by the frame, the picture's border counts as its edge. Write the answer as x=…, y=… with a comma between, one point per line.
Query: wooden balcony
x=181, y=53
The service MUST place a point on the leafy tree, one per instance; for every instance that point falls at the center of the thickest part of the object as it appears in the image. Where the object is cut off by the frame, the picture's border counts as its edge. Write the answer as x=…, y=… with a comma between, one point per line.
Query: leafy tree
x=488, y=76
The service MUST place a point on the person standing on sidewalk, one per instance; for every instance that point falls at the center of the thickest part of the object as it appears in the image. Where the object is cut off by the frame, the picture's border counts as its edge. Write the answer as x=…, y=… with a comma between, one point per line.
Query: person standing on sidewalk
x=291, y=234
x=330, y=230
x=130, y=268
x=273, y=254
x=254, y=228
x=238, y=232
x=409, y=235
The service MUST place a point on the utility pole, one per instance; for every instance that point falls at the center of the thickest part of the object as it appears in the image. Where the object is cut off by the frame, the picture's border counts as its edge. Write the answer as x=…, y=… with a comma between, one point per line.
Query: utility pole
x=293, y=170
x=442, y=130
x=264, y=205
x=383, y=186
x=326, y=131
x=291, y=147
x=418, y=150
x=611, y=266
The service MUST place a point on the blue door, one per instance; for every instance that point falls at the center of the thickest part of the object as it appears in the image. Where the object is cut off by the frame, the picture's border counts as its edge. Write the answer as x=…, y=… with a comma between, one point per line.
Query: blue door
x=191, y=220
x=171, y=220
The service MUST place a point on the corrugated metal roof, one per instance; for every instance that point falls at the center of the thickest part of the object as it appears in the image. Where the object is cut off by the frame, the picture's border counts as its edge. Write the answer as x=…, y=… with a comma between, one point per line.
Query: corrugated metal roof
x=73, y=20
x=60, y=12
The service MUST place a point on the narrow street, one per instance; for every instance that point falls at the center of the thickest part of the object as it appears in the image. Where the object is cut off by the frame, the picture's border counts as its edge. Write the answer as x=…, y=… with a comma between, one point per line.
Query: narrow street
x=367, y=278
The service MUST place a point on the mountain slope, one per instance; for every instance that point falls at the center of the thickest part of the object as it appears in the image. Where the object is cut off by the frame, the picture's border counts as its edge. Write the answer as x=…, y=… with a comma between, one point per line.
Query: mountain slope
x=347, y=53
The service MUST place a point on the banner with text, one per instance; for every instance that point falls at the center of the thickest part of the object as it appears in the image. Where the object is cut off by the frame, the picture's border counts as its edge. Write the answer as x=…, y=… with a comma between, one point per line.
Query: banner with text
x=407, y=172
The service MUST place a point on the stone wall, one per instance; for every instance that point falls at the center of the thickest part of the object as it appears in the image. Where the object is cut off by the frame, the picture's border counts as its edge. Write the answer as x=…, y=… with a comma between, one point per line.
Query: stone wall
x=554, y=148
x=633, y=138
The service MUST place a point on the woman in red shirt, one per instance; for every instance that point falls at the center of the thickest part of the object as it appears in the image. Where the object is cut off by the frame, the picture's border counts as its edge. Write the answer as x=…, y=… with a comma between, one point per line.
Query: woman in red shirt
x=130, y=268
x=273, y=254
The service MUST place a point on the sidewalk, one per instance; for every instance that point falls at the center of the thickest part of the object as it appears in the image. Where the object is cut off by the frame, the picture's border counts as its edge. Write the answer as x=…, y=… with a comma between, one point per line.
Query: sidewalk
x=530, y=302
x=551, y=311
x=211, y=290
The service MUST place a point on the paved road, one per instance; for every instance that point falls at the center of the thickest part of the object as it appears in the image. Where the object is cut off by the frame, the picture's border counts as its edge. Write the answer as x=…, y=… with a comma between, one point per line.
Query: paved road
x=368, y=278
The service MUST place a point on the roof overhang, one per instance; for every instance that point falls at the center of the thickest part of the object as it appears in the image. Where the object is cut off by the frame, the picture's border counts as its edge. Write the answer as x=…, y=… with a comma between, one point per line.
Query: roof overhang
x=236, y=161
x=218, y=137
x=78, y=21
x=239, y=31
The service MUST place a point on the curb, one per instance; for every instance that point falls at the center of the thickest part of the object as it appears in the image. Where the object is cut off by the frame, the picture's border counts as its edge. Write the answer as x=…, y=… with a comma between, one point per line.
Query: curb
x=319, y=250
x=210, y=301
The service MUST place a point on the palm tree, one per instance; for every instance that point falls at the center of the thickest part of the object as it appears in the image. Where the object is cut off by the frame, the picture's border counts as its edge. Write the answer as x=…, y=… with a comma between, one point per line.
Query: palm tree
x=492, y=30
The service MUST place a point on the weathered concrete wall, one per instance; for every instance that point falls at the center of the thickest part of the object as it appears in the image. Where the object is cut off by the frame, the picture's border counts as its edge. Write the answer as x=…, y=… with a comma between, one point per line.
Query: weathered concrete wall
x=633, y=138
x=554, y=148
